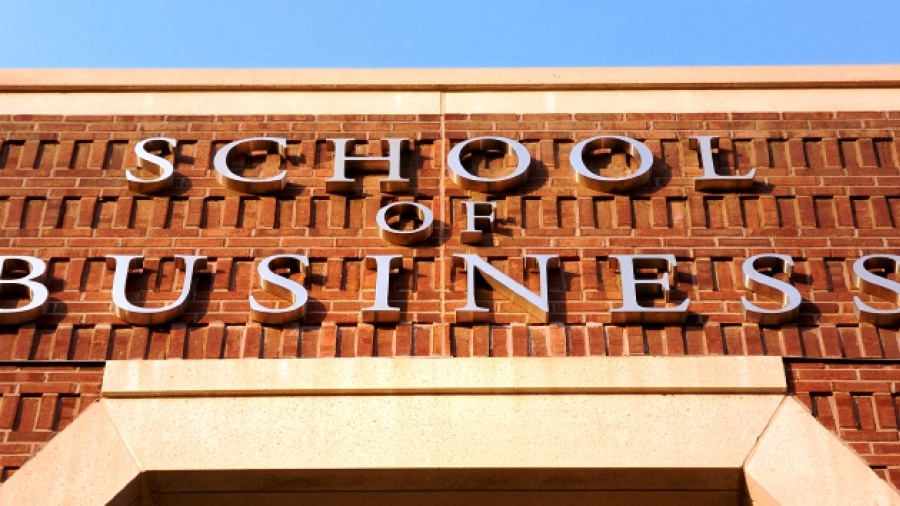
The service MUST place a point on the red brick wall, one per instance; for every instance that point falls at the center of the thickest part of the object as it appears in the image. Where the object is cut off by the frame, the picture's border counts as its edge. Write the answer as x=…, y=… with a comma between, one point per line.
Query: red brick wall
x=827, y=194
x=37, y=402
x=859, y=402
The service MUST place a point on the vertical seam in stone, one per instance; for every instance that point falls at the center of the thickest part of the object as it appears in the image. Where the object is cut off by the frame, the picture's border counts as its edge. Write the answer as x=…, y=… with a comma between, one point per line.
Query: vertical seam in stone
x=112, y=419
x=759, y=438
x=144, y=487
x=752, y=452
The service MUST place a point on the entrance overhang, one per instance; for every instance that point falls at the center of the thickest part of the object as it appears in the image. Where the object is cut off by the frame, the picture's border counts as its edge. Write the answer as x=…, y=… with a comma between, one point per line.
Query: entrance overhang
x=631, y=430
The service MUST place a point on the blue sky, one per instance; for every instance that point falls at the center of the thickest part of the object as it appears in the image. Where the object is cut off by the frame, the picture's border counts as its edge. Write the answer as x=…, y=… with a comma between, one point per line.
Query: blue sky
x=456, y=33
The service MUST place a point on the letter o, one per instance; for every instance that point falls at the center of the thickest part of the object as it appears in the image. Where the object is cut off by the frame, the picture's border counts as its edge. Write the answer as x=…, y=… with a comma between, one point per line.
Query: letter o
x=467, y=180
x=635, y=148
x=404, y=236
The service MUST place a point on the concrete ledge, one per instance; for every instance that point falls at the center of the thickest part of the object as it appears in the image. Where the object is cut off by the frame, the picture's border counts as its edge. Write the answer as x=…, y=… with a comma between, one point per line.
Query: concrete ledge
x=673, y=101
x=676, y=433
x=405, y=101
x=439, y=91
x=581, y=375
x=567, y=78
x=221, y=102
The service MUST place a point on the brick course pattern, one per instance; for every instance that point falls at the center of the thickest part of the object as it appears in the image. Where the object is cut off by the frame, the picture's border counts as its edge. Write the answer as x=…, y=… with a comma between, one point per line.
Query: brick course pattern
x=826, y=194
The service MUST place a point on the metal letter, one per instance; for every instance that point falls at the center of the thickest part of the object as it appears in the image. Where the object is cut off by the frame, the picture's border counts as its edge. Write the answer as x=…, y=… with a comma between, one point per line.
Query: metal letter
x=230, y=180
x=758, y=282
x=33, y=283
x=638, y=150
x=631, y=311
x=418, y=234
x=711, y=180
x=340, y=183
x=142, y=315
x=469, y=181
x=149, y=162
x=882, y=287
x=283, y=287
x=479, y=219
x=537, y=305
x=381, y=311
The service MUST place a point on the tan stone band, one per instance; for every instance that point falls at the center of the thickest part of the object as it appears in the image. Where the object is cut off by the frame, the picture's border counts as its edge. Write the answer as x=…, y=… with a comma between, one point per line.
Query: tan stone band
x=450, y=91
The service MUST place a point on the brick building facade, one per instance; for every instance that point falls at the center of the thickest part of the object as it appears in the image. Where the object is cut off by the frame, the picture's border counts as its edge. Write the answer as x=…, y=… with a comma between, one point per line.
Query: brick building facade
x=822, y=140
